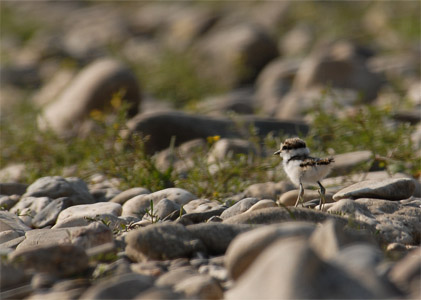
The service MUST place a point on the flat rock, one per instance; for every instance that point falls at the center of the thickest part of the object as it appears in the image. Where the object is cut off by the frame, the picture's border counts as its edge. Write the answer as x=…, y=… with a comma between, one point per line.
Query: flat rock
x=62, y=260
x=79, y=215
x=162, y=241
x=389, y=189
x=246, y=247
x=201, y=205
x=273, y=215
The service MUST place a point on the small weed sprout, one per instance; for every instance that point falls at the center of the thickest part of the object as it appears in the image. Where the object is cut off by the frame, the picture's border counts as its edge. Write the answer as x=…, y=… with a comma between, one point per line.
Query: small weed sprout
x=150, y=212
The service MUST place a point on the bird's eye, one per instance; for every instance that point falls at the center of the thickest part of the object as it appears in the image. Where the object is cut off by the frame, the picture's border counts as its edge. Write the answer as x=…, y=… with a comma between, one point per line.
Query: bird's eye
x=284, y=148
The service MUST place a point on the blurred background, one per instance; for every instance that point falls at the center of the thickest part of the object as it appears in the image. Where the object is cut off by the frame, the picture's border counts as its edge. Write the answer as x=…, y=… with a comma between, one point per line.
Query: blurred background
x=328, y=64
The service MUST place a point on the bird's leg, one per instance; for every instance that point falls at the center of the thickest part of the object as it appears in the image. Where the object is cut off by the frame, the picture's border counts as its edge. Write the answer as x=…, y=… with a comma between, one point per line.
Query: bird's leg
x=322, y=193
x=300, y=195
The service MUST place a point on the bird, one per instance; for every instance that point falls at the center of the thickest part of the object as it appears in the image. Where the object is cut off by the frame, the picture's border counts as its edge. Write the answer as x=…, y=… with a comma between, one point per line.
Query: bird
x=301, y=168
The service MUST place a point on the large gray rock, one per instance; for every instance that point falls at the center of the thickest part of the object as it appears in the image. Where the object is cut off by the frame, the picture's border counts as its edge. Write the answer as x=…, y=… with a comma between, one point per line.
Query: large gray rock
x=27, y=208
x=136, y=206
x=119, y=287
x=186, y=127
x=406, y=273
x=217, y=236
x=48, y=215
x=340, y=65
x=273, y=215
x=92, y=89
x=274, y=82
x=289, y=269
x=57, y=186
x=162, y=241
x=62, y=260
x=86, y=237
x=329, y=238
x=394, y=221
x=388, y=189
x=163, y=209
x=246, y=247
x=80, y=215
x=236, y=53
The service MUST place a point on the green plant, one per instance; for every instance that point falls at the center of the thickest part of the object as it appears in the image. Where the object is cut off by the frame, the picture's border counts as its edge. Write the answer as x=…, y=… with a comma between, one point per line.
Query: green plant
x=367, y=127
x=151, y=214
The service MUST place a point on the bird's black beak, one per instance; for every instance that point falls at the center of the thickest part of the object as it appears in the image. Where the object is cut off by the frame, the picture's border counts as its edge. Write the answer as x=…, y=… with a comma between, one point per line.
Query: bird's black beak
x=277, y=152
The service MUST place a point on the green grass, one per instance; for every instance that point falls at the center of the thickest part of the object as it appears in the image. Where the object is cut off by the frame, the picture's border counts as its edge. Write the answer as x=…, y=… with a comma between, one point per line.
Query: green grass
x=106, y=152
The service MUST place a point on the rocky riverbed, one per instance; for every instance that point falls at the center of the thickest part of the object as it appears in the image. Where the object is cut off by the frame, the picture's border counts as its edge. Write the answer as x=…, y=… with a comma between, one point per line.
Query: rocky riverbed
x=59, y=242
x=213, y=81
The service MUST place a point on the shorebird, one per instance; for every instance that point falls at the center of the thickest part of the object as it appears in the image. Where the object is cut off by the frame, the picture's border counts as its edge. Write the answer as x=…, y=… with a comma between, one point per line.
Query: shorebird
x=301, y=168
